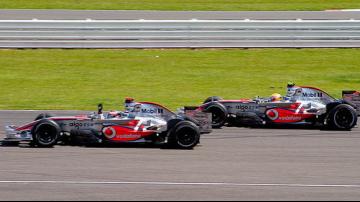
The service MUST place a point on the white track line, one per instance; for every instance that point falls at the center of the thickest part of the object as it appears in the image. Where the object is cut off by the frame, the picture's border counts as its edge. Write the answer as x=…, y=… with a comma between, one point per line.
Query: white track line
x=182, y=184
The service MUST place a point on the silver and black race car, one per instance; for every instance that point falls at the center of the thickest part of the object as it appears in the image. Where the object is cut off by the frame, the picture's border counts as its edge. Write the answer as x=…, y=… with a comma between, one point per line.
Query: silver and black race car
x=302, y=105
x=140, y=122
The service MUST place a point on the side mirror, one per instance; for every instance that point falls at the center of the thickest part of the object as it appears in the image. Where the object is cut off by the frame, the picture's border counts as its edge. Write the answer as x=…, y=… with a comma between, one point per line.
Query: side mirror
x=100, y=109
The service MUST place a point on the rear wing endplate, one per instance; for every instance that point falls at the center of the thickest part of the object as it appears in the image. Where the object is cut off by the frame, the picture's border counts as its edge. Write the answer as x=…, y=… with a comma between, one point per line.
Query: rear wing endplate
x=353, y=97
x=204, y=119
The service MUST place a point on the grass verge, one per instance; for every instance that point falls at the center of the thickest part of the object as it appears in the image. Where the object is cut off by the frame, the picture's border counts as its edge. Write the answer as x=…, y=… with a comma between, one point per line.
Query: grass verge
x=203, y=5
x=80, y=79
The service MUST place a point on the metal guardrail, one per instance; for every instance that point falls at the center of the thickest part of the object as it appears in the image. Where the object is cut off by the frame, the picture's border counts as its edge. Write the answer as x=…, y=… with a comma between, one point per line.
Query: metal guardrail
x=178, y=33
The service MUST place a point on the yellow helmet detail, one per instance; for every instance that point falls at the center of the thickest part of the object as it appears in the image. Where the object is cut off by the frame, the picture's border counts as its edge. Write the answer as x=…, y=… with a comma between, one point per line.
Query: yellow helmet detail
x=276, y=97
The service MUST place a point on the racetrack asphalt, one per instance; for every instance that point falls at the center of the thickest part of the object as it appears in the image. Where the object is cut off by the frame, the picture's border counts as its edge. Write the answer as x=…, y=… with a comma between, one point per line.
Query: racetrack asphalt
x=230, y=164
x=175, y=15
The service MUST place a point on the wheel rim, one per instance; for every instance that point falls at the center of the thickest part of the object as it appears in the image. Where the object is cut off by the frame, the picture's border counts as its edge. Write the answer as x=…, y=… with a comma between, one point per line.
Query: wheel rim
x=186, y=137
x=344, y=118
x=46, y=134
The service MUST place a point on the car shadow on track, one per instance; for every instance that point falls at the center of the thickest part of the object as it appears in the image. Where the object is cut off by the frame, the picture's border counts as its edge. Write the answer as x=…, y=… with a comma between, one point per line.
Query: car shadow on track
x=285, y=127
x=108, y=145
x=231, y=132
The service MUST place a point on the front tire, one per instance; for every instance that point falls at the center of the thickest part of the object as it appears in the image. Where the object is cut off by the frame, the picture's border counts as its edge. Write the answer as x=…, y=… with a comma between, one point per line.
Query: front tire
x=46, y=133
x=342, y=117
x=212, y=99
x=185, y=135
x=219, y=114
x=43, y=116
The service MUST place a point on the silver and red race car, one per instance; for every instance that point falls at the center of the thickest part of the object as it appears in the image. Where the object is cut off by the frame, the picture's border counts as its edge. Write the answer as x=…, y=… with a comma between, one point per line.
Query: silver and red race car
x=139, y=122
x=302, y=105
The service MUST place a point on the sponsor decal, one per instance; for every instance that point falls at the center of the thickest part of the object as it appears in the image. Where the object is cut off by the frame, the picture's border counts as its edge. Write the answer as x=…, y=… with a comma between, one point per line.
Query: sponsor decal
x=128, y=136
x=272, y=114
x=319, y=94
x=109, y=132
x=246, y=107
x=81, y=124
x=152, y=111
x=290, y=118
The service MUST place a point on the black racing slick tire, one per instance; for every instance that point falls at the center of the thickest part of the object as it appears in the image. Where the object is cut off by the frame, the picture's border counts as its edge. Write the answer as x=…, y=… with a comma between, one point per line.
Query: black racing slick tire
x=184, y=135
x=342, y=117
x=212, y=99
x=46, y=133
x=43, y=116
x=219, y=114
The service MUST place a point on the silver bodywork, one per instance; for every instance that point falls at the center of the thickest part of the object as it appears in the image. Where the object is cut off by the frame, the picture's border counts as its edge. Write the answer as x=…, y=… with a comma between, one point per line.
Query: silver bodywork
x=311, y=99
x=89, y=123
x=13, y=135
x=150, y=115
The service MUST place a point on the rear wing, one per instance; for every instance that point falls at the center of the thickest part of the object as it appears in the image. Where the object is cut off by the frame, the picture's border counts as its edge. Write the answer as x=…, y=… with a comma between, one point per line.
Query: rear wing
x=204, y=119
x=353, y=97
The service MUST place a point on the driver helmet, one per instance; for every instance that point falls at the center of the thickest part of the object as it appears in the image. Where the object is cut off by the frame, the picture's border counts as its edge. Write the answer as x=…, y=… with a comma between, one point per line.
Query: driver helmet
x=129, y=104
x=275, y=97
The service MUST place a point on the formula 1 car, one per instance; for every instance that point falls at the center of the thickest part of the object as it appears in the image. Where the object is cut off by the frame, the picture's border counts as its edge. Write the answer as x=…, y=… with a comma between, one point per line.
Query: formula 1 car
x=301, y=105
x=140, y=122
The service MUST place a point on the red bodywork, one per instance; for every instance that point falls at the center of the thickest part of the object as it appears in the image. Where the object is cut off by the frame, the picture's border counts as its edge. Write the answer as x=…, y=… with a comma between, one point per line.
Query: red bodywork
x=130, y=132
x=287, y=115
x=126, y=132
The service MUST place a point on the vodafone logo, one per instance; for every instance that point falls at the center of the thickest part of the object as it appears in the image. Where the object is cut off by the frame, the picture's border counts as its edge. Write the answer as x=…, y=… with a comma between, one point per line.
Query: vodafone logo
x=109, y=132
x=272, y=114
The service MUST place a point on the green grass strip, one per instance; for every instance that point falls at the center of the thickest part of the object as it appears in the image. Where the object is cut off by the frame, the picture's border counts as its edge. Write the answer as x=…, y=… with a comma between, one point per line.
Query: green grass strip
x=80, y=79
x=203, y=5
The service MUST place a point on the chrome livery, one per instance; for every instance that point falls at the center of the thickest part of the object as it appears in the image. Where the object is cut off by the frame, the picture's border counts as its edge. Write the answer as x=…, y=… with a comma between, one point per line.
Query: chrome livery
x=140, y=122
x=301, y=105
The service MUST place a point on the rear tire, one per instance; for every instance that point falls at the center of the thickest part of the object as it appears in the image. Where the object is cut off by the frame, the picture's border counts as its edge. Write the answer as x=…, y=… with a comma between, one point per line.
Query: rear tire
x=342, y=117
x=219, y=114
x=185, y=135
x=46, y=133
